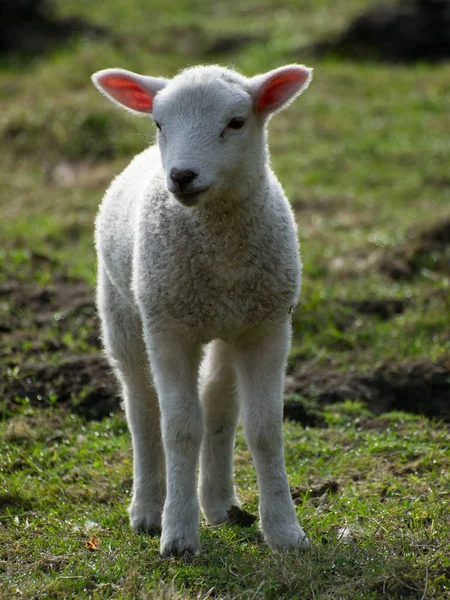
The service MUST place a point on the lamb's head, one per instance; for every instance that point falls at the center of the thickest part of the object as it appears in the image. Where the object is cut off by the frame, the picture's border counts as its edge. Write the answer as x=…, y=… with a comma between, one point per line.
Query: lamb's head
x=211, y=122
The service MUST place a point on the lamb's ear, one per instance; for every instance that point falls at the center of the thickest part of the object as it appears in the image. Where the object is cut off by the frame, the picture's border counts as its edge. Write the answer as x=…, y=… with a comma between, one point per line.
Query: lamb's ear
x=130, y=90
x=274, y=90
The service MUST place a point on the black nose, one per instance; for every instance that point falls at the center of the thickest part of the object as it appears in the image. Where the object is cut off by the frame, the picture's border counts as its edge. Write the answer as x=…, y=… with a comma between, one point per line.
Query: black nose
x=182, y=177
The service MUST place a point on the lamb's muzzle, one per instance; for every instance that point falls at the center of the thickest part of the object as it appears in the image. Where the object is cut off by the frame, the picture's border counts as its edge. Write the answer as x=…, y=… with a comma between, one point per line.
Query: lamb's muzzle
x=182, y=177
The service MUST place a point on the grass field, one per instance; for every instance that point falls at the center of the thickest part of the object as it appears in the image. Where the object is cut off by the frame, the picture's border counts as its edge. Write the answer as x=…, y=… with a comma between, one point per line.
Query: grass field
x=363, y=156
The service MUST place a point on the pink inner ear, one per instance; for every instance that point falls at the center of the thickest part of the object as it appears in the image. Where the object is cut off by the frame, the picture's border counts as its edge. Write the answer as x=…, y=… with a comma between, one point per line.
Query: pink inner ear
x=281, y=87
x=127, y=92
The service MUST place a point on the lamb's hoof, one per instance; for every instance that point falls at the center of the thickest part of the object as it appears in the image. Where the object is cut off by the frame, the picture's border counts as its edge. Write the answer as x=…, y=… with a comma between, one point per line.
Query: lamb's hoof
x=151, y=531
x=146, y=523
x=287, y=539
x=304, y=543
x=179, y=547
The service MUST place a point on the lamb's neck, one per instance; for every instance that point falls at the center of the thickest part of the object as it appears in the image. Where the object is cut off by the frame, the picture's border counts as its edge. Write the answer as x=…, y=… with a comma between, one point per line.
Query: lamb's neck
x=245, y=193
x=226, y=224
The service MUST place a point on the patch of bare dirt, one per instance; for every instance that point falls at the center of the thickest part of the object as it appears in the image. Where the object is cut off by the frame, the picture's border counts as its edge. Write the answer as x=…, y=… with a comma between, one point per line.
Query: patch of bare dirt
x=425, y=252
x=416, y=386
x=301, y=411
x=429, y=249
x=26, y=305
x=193, y=40
x=405, y=31
x=84, y=384
x=314, y=491
x=239, y=516
x=233, y=43
x=345, y=312
x=383, y=308
x=8, y=500
x=29, y=27
x=36, y=362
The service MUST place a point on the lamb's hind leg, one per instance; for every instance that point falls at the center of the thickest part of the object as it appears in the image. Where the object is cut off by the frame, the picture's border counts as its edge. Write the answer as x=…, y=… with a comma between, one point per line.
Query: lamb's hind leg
x=125, y=348
x=220, y=404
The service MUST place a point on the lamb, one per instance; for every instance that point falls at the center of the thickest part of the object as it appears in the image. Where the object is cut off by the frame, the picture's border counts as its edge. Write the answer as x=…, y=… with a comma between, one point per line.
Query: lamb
x=198, y=273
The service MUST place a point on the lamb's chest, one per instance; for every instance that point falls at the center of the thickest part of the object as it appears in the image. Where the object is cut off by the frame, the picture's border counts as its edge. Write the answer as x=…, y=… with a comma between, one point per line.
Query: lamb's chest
x=218, y=279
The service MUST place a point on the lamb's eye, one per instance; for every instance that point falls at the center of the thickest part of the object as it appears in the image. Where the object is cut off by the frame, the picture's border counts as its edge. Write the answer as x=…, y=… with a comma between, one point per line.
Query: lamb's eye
x=158, y=125
x=236, y=123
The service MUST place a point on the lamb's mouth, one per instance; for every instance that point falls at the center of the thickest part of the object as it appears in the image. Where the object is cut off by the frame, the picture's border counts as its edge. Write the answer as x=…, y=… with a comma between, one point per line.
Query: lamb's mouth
x=189, y=198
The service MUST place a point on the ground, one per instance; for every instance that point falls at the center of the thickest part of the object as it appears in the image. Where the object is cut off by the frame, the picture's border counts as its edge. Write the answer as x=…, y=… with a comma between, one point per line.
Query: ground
x=362, y=156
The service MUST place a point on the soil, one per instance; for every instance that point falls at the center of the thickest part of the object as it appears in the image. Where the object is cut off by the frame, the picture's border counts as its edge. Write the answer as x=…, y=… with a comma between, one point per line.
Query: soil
x=428, y=249
x=37, y=364
x=8, y=500
x=29, y=28
x=424, y=252
x=406, y=31
x=383, y=308
x=32, y=305
x=233, y=43
x=301, y=412
x=195, y=41
x=35, y=361
x=84, y=384
x=416, y=386
x=314, y=491
x=239, y=516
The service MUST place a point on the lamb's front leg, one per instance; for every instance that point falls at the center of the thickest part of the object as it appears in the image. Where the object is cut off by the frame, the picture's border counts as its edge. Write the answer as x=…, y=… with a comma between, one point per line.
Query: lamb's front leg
x=260, y=363
x=126, y=351
x=175, y=364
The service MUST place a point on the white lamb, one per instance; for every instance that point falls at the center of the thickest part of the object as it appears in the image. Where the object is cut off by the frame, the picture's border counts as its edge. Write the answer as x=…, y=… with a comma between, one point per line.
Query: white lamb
x=197, y=249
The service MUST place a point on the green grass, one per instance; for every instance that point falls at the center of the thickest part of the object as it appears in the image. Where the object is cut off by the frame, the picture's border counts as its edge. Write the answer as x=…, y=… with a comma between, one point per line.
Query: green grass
x=363, y=158
x=385, y=530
